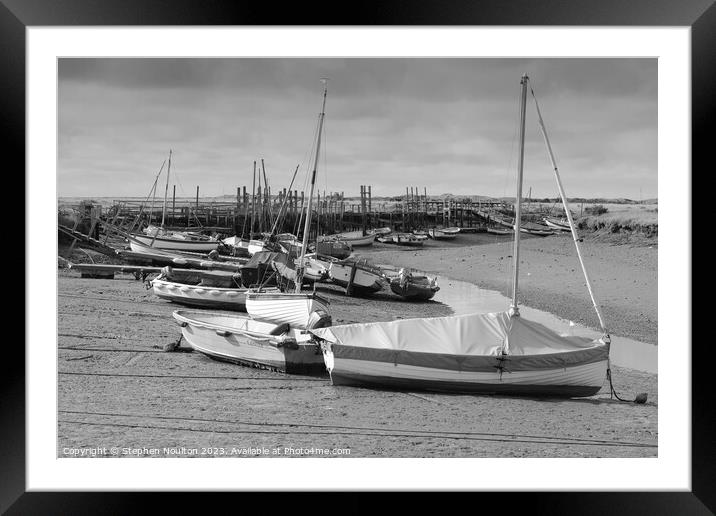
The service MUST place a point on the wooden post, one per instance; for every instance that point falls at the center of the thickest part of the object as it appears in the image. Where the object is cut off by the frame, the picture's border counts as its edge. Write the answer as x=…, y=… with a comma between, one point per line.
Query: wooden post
x=349, y=287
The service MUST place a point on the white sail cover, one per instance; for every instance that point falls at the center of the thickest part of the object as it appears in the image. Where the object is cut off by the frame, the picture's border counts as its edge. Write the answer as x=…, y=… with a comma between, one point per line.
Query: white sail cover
x=473, y=336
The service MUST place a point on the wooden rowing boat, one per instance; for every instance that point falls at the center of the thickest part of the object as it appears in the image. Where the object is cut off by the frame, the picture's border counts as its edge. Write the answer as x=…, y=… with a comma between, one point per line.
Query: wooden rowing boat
x=245, y=341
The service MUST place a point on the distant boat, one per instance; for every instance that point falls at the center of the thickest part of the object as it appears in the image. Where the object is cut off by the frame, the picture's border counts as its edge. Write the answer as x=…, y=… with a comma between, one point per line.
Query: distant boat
x=365, y=278
x=440, y=234
x=246, y=341
x=335, y=248
x=354, y=238
x=413, y=286
x=161, y=238
x=408, y=239
x=557, y=224
x=175, y=241
x=498, y=231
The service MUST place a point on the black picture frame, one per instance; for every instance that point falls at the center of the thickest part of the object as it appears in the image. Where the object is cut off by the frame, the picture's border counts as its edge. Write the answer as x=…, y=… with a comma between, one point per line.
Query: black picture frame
x=17, y=15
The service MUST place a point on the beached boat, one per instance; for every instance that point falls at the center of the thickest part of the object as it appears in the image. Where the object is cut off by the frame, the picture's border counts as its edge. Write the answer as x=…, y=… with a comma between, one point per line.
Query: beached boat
x=441, y=234
x=175, y=241
x=160, y=238
x=485, y=353
x=362, y=278
x=334, y=248
x=500, y=231
x=220, y=290
x=246, y=341
x=559, y=225
x=414, y=286
x=408, y=239
x=354, y=238
x=297, y=308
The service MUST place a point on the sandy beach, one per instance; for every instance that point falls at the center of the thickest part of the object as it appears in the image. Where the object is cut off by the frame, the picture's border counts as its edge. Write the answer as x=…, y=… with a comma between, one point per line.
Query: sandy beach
x=118, y=388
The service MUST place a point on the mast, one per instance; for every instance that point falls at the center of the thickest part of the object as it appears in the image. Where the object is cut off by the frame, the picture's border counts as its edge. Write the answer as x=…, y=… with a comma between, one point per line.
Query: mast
x=166, y=188
x=569, y=215
x=518, y=198
x=267, y=193
x=307, y=225
x=253, y=202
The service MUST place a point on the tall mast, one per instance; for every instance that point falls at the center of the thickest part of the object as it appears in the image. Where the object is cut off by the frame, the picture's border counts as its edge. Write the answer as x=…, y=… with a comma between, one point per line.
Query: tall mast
x=166, y=188
x=307, y=225
x=569, y=215
x=518, y=198
x=253, y=202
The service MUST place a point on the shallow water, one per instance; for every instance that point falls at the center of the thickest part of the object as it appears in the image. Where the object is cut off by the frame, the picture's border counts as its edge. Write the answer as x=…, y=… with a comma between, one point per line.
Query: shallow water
x=465, y=298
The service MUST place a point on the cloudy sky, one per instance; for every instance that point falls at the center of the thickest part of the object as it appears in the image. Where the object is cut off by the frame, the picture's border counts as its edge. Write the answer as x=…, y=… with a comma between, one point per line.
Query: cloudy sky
x=446, y=124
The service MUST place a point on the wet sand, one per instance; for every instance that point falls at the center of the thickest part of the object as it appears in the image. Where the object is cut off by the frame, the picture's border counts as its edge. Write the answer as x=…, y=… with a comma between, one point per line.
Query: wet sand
x=624, y=277
x=118, y=388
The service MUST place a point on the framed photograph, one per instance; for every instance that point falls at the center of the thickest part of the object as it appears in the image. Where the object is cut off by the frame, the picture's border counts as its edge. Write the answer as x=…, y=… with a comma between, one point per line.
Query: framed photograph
x=503, y=318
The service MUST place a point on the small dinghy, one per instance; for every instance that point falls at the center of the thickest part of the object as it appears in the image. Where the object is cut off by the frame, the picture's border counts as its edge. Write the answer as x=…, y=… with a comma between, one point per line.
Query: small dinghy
x=245, y=341
x=414, y=286
x=207, y=289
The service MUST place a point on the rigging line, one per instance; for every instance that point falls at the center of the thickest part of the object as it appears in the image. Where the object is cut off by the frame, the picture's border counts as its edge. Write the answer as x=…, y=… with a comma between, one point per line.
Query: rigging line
x=114, y=350
x=434, y=435
x=362, y=428
x=175, y=376
x=575, y=237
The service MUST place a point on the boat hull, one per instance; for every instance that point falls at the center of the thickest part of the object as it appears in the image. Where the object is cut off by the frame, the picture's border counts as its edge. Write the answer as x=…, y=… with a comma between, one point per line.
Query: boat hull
x=354, y=238
x=365, y=281
x=172, y=244
x=201, y=296
x=556, y=225
x=247, y=342
x=440, y=235
x=285, y=307
x=572, y=381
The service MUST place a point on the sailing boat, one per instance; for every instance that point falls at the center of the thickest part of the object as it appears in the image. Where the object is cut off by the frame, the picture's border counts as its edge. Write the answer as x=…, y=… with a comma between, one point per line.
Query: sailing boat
x=299, y=309
x=161, y=238
x=485, y=353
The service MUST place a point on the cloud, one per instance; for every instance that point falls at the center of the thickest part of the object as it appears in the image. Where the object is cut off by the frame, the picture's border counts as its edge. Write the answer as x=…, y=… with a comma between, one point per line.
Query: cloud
x=448, y=124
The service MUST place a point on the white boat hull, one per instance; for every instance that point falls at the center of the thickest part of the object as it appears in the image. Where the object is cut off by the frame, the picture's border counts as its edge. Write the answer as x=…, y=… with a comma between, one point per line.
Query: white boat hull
x=285, y=307
x=354, y=238
x=242, y=340
x=173, y=244
x=439, y=235
x=578, y=380
x=557, y=226
x=201, y=296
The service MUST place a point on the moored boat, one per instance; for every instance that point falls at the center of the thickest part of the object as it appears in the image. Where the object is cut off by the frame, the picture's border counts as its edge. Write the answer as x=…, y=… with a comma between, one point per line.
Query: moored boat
x=413, y=286
x=440, y=234
x=362, y=278
x=354, y=238
x=175, y=241
x=408, y=239
x=206, y=289
x=559, y=225
x=246, y=341
x=497, y=352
